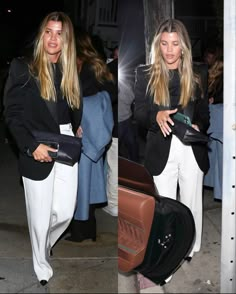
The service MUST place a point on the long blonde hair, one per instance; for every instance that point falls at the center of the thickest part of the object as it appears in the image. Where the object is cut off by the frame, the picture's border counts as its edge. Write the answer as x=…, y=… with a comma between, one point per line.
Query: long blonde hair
x=87, y=53
x=42, y=69
x=159, y=73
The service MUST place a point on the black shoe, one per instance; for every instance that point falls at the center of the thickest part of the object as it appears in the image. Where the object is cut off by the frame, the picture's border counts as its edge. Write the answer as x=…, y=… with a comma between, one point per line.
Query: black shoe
x=162, y=283
x=43, y=282
x=188, y=258
x=83, y=230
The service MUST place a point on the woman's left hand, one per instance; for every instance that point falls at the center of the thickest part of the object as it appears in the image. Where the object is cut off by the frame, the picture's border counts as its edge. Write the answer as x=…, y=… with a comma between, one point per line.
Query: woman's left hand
x=163, y=118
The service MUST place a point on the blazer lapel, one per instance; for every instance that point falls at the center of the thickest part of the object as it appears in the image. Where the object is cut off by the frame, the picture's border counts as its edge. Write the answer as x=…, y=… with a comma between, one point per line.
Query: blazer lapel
x=52, y=107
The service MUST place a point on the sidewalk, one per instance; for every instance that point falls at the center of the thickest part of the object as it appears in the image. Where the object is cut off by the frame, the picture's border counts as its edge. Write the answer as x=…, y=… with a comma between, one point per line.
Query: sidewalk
x=87, y=267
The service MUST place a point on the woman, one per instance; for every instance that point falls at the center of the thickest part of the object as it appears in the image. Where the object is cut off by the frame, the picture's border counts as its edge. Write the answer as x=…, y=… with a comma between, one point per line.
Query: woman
x=43, y=94
x=213, y=57
x=97, y=124
x=170, y=85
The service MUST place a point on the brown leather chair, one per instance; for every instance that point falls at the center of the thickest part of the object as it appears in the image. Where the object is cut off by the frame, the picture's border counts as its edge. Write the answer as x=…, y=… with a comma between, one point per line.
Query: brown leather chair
x=136, y=211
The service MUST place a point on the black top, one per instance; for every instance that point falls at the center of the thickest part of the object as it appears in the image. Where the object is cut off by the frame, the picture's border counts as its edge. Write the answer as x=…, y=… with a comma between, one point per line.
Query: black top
x=63, y=111
x=90, y=85
x=174, y=88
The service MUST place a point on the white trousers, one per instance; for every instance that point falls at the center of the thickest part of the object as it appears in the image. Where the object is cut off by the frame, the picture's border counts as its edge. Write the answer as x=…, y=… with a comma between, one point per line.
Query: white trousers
x=182, y=169
x=112, y=174
x=50, y=206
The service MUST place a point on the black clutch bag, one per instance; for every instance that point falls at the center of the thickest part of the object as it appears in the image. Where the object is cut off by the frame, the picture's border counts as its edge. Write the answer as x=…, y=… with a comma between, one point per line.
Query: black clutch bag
x=187, y=134
x=68, y=147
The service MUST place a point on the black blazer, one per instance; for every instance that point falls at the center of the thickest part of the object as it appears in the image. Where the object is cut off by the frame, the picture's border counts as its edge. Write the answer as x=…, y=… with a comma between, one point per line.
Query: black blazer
x=25, y=111
x=145, y=111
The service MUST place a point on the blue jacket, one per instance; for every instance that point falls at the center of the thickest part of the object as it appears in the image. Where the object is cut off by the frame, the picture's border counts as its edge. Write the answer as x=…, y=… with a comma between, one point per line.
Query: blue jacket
x=97, y=124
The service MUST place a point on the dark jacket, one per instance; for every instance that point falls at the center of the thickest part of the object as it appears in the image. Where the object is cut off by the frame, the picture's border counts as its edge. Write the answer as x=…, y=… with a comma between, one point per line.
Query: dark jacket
x=157, y=146
x=25, y=111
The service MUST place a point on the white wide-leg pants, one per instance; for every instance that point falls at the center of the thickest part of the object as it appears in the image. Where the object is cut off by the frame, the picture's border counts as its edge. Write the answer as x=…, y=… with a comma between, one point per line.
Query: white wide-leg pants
x=182, y=168
x=50, y=206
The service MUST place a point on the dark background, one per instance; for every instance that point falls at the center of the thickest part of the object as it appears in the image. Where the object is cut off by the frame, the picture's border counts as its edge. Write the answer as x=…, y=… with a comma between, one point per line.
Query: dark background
x=18, y=22
x=202, y=18
x=18, y=26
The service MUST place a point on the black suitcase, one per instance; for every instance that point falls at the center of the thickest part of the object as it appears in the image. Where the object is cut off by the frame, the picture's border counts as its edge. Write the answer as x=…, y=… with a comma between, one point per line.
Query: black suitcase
x=173, y=229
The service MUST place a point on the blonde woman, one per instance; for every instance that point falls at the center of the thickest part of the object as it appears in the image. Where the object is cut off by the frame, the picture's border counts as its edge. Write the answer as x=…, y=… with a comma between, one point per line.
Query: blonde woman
x=43, y=94
x=169, y=84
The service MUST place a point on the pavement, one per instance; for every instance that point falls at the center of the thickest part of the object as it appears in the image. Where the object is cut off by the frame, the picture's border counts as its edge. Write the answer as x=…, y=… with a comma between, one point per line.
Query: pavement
x=85, y=267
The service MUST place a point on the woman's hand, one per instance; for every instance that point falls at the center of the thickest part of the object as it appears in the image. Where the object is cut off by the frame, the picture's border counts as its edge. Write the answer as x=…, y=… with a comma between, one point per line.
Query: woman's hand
x=41, y=153
x=162, y=118
x=211, y=100
x=79, y=132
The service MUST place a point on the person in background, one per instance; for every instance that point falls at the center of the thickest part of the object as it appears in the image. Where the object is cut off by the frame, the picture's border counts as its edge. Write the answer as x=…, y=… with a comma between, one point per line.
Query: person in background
x=127, y=131
x=111, y=159
x=98, y=44
x=97, y=85
x=214, y=58
x=43, y=94
x=214, y=177
x=115, y=53
x=169, y=85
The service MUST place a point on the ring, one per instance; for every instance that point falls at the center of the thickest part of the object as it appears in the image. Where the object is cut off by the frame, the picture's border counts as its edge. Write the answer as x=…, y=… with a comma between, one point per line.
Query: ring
x=41, y=160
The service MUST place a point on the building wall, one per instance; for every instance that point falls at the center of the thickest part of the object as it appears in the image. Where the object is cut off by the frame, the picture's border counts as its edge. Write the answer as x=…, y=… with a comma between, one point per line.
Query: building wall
x=99, y=17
